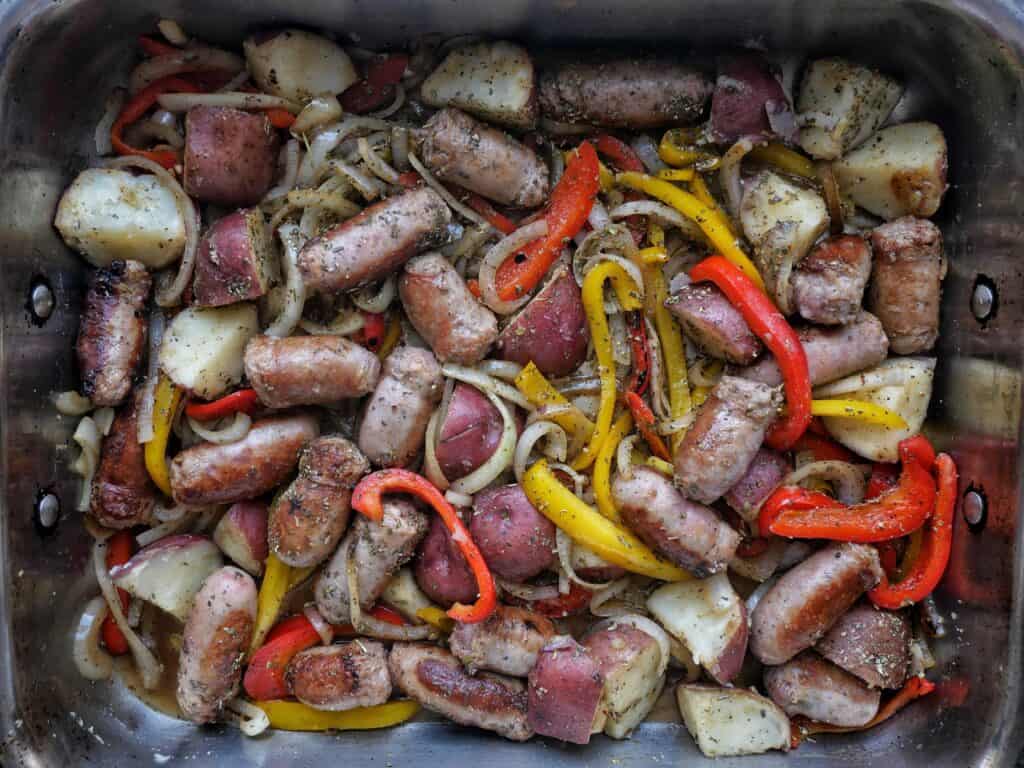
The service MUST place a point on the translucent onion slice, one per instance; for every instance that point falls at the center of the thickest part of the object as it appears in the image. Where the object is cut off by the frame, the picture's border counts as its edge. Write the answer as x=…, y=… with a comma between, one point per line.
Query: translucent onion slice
x=197, y=58
x=183, y=102
x=232, y=432
x=112, y=108
x=88, y=437
x=463, y=210
x=290, y=155
x=92, y=661
x=486, y=383
x=321, y=110
x=556, y=448
x=564, y=546
x=295, y=289
x=529, y=592
x=496, y=256
x=849, y=479
x=327, y=139
x=319, y=623
x=376, y=298
x=370, y=625
x=71, y=403
x=250, y=719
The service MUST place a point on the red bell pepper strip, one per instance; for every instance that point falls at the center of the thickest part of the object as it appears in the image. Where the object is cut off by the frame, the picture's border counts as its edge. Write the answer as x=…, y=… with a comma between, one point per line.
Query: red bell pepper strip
x=285, y=626
x=409, y=179
x=264, y=678
x=771, y=327
x=366, y=499
x=502, y=223
x=153, y=47
x=640, y=375
x=244, y=400
x=567, y=212
x=644, y=420
x=623, y=156
x=930, y=564
x=797, y=513
x=919, y=446
x=474, y=287
x=137, y=107
x=279, y=118
x=823, y=449
x=569, y=604
x=378, y=87
x=884, y=477
x=374, y=328
x=119, y=552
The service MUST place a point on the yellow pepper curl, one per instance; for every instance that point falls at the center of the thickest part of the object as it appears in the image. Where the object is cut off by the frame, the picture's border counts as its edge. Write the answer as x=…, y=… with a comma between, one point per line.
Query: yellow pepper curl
x=857, y=409
x=785, y=158
x=277, y=580
x=436, y=618
x=603, y=467
x=165, y=405
x=539, y=391
x=293, y=716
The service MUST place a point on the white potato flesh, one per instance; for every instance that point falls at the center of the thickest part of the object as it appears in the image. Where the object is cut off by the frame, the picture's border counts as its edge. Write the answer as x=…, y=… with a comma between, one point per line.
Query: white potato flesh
x=909, y=399
x=404, y=595
x=900, y=171
x=731, y=721
x=203, y=348
x=709, y=618
x=109, y=214
x=622, y=722
x=841, y=104
x=299, y=65
x=494, y=81
x=781, y=217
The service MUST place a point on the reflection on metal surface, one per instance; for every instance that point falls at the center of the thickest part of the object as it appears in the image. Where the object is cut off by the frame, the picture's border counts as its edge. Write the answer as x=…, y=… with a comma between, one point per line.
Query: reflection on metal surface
x=984, y=299
x=41, y=299
x=982, y=396
x=48, y=510
x=974, y=508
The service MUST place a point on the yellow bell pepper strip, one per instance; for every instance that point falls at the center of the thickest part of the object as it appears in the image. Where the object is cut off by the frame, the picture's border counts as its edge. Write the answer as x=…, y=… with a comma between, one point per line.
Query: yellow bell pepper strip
x=700, y=190
x=603, y=467
x=299, y=575
x=709, y=220
x=677, y=174
x=391, y=338
x=166, y=400
x=586, y=526
x=675, y=148
x=276, y=579
x=294, y=716
x=436, y=618
x=628, y=294
x=860, y=410
x=660, y=465
x=652, y=256
x=539, y=391
x=785, y=158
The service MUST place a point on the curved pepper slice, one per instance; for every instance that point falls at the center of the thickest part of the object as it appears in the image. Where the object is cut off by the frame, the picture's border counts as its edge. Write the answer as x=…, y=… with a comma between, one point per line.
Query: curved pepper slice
x=601, y=477
x=293, y=716
x=623, y=156
x=797, y=513
x=165, y=405
x=367, y=499
x=244, y=401
x=119, y=551
x=137, y=107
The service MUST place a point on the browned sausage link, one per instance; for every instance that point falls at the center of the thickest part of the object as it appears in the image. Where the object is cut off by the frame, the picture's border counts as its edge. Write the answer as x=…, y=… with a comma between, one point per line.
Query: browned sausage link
x=808, y=599
x=685, y=532
x=233, y=260
x=396, y=415
x=375, y=243
x=464, y=151
x=906, y=282
x=309, y=370
x=230, y=155
x=438, y=303
x=112, y=333
x=437, y=680
x=633, y=93
x=122, y=493
x=340, y=677
x=378, y=550
x=832, y=353
x=222, y=474
x=714, y=324
x=870, y=643
x=507, y=641
x=764, y=473
x=810, y=686
x=828, y=284
x=309, y=518
x=217, y=635
x=724, y=439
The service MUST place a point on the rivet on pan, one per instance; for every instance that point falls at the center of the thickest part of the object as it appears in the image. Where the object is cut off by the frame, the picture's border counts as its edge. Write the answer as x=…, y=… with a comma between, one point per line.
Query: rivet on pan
x=984, y=299
x=48, y=510
x=975, y=508
x=41, y=300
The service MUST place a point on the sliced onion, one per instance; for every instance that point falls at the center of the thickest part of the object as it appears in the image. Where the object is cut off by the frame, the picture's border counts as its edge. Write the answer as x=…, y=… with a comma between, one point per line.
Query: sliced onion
x=578, y=481
x=370, y=625
x=152, y=131
x=331, y=200
x=600, y=598
x=888, y=374
x=729, y=174
x=486, y=383
x=169, y=295
x=183, y=102
x=430, y=466
x=761, y=590
x=376, y=163
x=458, y=500
x=646, y=149
x=172, y=32
x=563, y=546
x=104, y=418
x=469, y=242
x=148, y=665
x=921, y=657
x=578, y=385
x=506, y=370
x=848, y=478
x=112, y=108
x=659, y=385
x=168, y=528
x=529, y=592
x=231, y=433
x=624, y=456
x=208, y=517
x=157, y=325
x=319, y=623
x=368, y=187
x=92, y=661
x=833, y=200
x=168, y=514
x=496, y=256
x=400, y=147
x=463, y=210
x=661, y=214
x=290, y=160
x=71, y=403
x=295, y=289
x=321, y=110
x=394, y=106
x=698, y=373
x=650, y=627
x=198, y=58
x=135, y=607
x=250, y=719
x=88, y=437
x=235, y=83
x=498, y=461
x=619, y=337
x=557, y=447
x=598, y=217
x=326, y=141
x=376, y=298
x=615, y=239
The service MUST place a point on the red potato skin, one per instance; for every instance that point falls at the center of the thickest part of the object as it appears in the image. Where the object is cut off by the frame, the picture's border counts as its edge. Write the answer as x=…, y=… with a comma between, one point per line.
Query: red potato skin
x=828, y=283
x=232, y=260
x=870, y=643
x=438, y=681
x=475, y=156
x=765, y=472
x=216, y=638
x=309, y=370
x=745, y=88
x=112, y=334
x=440, y=569
x=441, y=308
x=516, y=540
x=241, y=534
x=711, y=321
x=565, y=688
x=230, y=155
x=507, y=642
x=123, y=495
x=809, y=598
x=308, y=520
x=469, y=434
x=810, y=686
x=376, y=242
x=395, y=417
x=262, y=460
x=340, y=677
x=551, y=330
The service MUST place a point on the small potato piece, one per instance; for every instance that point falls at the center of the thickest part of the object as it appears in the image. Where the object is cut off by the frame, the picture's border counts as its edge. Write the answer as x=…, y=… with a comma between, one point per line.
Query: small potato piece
x=234, y=261
x=241, y=534
x=709, y=618
x=112, y=215
x=469, y=434
x=203, y=347
x=516, y=540
x=298, y=65
x=732, y=721
x=842, y=104
x=230, y=155
x=900, y=171
x=404, y=595
x=746, y=92
x=630, y=660
x=441, y=569
x=493, y=81
x=565, y=689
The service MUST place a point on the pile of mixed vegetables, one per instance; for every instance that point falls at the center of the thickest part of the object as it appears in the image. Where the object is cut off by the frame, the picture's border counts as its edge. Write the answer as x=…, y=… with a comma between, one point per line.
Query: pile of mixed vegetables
x=621, y=366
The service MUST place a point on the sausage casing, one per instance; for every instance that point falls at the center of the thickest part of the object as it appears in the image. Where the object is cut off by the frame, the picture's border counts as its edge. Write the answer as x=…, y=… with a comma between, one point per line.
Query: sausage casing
x=340, y=677
x=123, y=495
x=507, y=642
x=810, y=686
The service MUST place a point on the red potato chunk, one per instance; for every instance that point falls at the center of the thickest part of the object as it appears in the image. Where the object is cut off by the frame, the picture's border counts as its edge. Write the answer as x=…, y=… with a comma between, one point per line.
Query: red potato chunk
x=230, y=155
